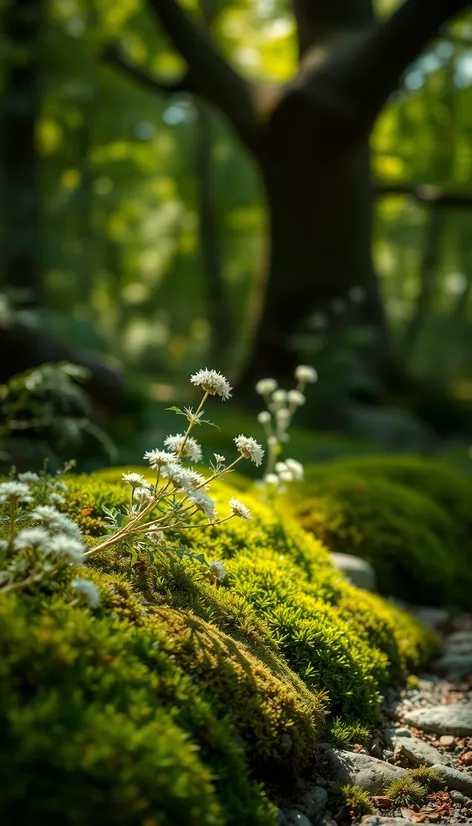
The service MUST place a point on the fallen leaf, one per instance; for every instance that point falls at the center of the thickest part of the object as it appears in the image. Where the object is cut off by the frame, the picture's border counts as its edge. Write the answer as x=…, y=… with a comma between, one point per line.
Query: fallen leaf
x=382, y=801
x=466, y=758
x=415, y=817
x=86, y=512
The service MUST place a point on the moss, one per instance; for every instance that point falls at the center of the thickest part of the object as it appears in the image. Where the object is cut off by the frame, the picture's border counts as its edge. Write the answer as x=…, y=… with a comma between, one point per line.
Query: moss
x=345, y=734
x=406, y=791
x=179, y=701
x=350, y=799
x=106, y=726
x=408, y=538
x=285, y=591
x=435, y=478
x=441, y=483
x=427, y=777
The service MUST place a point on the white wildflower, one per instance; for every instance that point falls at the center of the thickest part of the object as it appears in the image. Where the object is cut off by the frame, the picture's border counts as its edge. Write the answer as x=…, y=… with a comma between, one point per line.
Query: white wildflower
x=142, y=495
x=158, y=458
x=56, y=521
x=280, y=467
x=66, y=546
x=204, y=503
x=220, y=460
x=272, y=441
x=88, y=590
x=28, y=476
x=58, y=486
x=264, y=417
x=296, y=468
x=192, y=449
x=266, y=386
x=155, y=534
x=183, y=478
x=282, y=416
x=279, y=397
x=37, y=538
x=249, y=448
x=213, y=383
x=238, y=509
x=271, y=479
x=56, y=499
x=133, y=479
x=306, y=374
x=15, y=492
x=296, y=398
x=286, y=476
x=218, y=569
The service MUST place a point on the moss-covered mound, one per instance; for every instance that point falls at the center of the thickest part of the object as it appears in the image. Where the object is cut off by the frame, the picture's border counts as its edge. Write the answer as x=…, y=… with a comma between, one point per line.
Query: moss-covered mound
x=177, y=700
x=434, y=478
x=410, y=518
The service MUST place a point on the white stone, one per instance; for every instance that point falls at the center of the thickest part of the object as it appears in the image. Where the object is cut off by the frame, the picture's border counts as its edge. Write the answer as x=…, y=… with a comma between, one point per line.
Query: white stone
x=455, y=720
x=359, y=572
x=296, y=818
x=361, y=770
x=414, y=749
x=460, y=781
x=459, y=664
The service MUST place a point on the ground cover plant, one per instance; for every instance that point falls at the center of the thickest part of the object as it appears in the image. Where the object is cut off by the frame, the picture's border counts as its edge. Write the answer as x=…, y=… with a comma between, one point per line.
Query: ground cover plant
x=143, y=636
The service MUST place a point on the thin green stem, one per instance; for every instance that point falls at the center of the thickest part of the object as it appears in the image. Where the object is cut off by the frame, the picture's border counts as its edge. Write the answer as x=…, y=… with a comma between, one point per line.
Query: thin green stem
x=13, y=507
x=16, y=585
x=191, y=424
x=219, y=473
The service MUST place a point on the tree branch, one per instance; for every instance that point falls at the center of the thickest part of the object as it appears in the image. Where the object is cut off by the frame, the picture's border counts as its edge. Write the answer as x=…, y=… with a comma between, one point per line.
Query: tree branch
x=214, y=78
x=114, y=54
x=391, y=46
x=428, y=194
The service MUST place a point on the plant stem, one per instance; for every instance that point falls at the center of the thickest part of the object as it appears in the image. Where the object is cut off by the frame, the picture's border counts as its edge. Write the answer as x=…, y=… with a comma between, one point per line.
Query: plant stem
x=190, y=425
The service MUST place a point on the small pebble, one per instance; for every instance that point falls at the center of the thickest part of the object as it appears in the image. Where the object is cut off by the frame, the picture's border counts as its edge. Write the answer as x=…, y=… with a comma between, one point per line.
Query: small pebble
x=459, y=798
x=447, y=741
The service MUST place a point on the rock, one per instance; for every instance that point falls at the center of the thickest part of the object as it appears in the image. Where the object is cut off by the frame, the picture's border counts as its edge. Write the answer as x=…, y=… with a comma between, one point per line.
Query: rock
x=414, y=749
x=370, y=774
x=458, y=664
x=447, y=741
x=315, y=802
x=459, y=798
x=432, y=617
x=296, y=818
x=456, y=719
x=378, y=820
x=459, y=643
x=357, y=570
x=460, y=781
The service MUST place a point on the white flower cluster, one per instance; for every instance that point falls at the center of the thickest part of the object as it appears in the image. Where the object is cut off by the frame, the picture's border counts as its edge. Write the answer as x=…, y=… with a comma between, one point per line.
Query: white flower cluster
x=40, y=551
x=212, y=383
x=276, y=419
x=160, y=512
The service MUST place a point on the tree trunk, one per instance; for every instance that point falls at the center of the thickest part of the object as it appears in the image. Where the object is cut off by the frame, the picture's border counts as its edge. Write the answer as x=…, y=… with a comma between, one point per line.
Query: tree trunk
x=219, y=316
x=320, y=206
x=21, y=210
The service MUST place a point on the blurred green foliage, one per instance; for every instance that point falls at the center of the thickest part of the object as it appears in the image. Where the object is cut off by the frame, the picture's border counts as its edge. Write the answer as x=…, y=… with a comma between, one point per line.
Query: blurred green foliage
x=121, y=248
